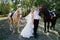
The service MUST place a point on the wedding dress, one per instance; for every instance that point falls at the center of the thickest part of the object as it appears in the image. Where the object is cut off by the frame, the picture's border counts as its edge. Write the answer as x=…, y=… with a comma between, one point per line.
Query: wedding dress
x=28, y=29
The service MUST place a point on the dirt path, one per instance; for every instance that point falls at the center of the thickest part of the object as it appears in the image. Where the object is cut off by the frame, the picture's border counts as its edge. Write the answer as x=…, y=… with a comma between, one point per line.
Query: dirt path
x=5, y=34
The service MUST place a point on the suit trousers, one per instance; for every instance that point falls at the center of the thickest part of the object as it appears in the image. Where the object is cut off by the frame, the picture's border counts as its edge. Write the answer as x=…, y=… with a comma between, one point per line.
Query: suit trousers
x=36, y=22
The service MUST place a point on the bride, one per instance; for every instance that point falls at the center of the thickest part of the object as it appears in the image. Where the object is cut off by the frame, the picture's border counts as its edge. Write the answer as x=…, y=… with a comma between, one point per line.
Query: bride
x=28, y=29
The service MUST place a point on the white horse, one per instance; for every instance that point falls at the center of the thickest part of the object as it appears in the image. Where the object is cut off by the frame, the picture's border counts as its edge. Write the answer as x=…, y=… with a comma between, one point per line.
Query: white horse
x=15, y=19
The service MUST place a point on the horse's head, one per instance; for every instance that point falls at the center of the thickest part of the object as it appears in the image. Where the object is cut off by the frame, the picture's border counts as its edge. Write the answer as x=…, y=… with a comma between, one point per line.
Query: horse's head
x=19, y=12
x=43, y=9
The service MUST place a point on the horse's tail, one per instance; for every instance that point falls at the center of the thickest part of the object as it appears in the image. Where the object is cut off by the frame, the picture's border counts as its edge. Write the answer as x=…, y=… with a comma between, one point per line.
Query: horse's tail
x=10, y=17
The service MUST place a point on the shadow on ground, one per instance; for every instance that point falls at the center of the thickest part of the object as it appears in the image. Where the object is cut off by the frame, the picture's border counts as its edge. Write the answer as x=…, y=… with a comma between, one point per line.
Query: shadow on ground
x=6, y=34
x=4, y=29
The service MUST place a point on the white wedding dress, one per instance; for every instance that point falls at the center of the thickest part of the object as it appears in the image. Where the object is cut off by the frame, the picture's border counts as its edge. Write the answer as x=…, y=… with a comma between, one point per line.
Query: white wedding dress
x=28, y=29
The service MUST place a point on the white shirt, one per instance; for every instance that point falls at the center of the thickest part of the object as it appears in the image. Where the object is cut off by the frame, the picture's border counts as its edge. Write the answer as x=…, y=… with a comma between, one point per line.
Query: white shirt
x=36, y=14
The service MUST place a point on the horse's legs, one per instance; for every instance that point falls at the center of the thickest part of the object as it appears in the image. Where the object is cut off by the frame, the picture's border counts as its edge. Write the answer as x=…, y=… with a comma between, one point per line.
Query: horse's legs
x=13, y=27
x=10, y=23
x=48, y=26
x=53, y=25
x=44, y=26
x=18, y=26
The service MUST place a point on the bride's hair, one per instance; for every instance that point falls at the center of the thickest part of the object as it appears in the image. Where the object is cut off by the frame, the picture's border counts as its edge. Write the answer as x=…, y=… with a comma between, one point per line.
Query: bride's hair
x=32, y=11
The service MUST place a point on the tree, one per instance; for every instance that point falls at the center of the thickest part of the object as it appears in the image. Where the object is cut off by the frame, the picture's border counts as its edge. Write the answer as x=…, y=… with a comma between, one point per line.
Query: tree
x=5, y=7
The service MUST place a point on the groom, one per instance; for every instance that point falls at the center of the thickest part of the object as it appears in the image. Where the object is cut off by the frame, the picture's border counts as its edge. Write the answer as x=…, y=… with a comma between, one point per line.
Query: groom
x=36, y=21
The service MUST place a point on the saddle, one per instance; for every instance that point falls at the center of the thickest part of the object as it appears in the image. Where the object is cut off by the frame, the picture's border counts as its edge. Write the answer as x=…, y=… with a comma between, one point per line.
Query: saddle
x=12, y=14
x=52, y=14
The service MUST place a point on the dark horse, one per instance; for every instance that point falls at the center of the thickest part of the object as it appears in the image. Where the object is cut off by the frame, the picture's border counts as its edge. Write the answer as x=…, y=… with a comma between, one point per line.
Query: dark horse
x=49, y=17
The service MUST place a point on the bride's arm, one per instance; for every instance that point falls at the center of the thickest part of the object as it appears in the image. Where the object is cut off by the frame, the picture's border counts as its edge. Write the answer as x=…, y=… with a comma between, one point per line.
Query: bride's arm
x=32, y=17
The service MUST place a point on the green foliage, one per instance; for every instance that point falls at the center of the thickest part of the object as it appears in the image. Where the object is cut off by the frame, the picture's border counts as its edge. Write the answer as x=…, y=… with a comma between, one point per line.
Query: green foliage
x=25, y=12
x=5, y=8
x=28, y=4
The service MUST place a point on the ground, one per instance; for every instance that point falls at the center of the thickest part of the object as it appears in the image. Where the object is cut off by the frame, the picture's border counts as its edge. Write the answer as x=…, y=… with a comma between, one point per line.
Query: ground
x=6, y=34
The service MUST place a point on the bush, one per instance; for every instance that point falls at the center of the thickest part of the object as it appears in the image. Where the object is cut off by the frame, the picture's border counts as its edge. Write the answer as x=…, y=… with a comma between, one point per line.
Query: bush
x=5, y=8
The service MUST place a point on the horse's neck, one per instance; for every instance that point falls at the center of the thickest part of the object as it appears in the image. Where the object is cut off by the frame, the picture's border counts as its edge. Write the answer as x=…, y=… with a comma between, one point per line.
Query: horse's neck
x=46, y=14
x=15, y=15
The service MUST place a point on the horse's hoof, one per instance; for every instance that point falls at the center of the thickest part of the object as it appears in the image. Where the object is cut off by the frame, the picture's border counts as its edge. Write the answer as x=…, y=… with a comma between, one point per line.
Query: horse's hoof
x=48, y=31
x=54, y=29
x=51, y=28
x=18, y=32
x=45, y=31
x=13, y=32
x=10, y=29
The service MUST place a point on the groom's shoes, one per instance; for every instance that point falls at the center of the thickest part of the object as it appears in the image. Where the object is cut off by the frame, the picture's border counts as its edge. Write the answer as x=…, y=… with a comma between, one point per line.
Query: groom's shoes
x=35, y=36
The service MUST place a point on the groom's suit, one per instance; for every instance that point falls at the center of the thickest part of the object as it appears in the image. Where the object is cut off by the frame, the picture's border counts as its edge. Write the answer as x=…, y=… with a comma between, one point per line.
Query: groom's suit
x=36, y=22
